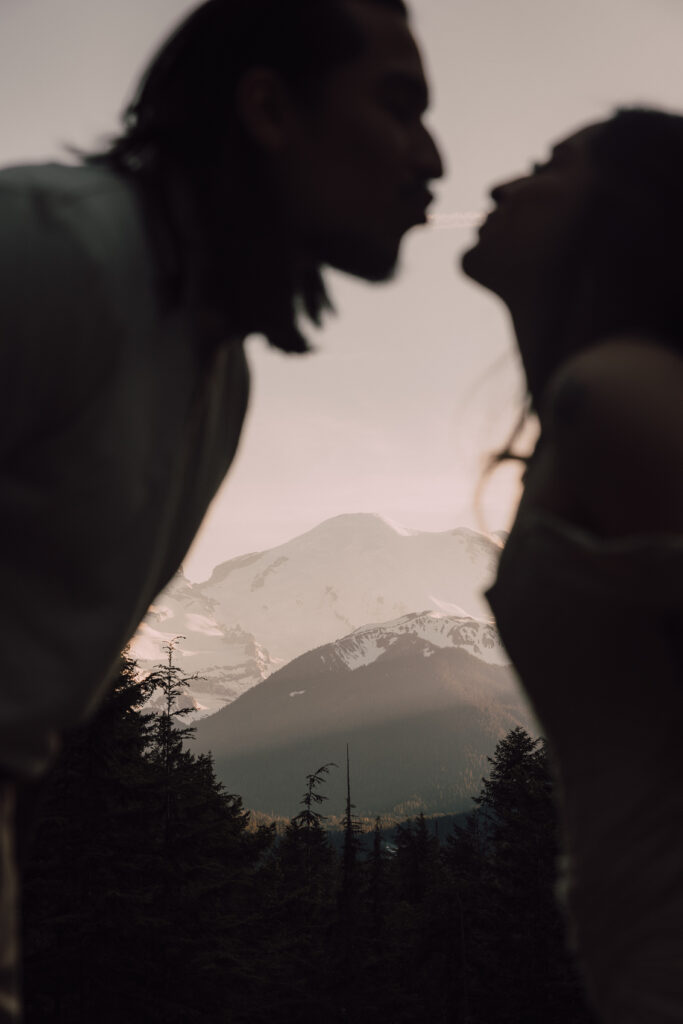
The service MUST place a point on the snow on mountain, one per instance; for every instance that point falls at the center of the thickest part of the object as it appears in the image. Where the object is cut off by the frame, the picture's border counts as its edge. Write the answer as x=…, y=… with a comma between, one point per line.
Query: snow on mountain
x=226, y=659
x=368, y=643
x=261, y=610
x=346, y=572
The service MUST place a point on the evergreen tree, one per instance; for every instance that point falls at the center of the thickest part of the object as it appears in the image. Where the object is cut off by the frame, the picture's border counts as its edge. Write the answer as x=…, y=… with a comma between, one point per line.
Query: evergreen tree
x=87, y=896
x=349, y=883
x=305, y=844
x=205, y=857
x=302, y=905
x=536, y=980
x=149, y=898
x=376, y=887
x=142, y=876
x=167, y=735
x=416, y=858
x=375, y=978
x=469, y=907
x=349, y=945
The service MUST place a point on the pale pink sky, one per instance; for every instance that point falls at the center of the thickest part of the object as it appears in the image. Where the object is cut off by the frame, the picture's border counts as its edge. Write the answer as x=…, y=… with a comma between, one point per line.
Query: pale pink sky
x=415, y=381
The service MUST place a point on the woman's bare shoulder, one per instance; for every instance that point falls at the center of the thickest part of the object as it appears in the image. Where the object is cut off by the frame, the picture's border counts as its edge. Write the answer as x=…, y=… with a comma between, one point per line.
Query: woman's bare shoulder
x=629, y=377
x=613, y=415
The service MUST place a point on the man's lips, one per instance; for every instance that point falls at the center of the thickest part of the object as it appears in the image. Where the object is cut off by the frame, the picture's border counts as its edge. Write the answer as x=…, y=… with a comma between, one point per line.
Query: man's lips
x=418, y=200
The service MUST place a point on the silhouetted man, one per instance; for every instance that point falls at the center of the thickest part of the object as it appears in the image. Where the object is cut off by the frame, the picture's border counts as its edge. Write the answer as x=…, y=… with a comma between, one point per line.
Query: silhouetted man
x=268, y=138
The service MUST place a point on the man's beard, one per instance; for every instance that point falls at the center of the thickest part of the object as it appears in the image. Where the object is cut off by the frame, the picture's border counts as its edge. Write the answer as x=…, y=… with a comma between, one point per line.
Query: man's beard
x=360, y=258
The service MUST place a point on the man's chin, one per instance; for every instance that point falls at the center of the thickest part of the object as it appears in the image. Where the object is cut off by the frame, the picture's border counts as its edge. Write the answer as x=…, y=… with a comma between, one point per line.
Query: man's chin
x=361, y=255
x=370, y=265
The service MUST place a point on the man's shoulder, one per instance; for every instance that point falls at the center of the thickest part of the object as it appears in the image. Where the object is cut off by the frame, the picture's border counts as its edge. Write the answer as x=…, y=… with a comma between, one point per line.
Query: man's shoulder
x=77, y=228
x=47, y=215
x=55, y=182
x=61, y=331
x=62, y=201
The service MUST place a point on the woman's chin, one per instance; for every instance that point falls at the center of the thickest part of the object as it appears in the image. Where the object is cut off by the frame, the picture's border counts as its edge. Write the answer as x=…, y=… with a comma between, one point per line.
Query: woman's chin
x=471, y=264
x=476, y=264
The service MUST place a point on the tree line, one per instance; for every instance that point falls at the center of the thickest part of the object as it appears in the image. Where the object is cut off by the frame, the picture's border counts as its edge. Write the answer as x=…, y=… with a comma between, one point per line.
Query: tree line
x=150, y=898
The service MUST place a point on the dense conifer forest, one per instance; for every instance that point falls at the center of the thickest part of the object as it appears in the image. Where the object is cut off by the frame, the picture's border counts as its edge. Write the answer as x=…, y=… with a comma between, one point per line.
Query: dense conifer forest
x=150, y=898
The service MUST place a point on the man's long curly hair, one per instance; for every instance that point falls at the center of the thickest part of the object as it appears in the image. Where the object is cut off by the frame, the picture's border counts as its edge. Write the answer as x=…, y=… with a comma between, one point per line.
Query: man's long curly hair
x=182, y=131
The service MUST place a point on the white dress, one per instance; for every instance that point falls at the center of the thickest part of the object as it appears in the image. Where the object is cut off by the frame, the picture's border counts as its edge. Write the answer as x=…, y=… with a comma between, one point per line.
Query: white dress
x=594, y=630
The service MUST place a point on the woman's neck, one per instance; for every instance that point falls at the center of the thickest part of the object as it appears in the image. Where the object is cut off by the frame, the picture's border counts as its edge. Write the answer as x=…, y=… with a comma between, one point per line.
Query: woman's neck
x=545, y=339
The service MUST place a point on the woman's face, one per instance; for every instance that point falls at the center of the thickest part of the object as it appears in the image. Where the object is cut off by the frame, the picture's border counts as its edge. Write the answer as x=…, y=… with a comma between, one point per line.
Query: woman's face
x=527, y=242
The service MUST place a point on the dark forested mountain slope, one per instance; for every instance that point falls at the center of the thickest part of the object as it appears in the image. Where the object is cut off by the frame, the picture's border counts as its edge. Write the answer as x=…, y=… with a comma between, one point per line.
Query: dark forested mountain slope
x=421, y=702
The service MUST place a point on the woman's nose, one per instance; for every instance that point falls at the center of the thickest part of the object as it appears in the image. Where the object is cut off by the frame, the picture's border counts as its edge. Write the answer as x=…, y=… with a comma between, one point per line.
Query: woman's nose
x=498, y=192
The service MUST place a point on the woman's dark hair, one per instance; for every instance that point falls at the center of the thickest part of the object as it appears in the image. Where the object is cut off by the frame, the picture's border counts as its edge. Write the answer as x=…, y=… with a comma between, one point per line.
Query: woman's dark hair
x=628, y=256
x=636, y=235
x=182, y=127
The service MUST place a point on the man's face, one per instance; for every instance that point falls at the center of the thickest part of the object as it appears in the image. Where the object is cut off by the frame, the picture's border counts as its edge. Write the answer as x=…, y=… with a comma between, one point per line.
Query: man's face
x=355, y=173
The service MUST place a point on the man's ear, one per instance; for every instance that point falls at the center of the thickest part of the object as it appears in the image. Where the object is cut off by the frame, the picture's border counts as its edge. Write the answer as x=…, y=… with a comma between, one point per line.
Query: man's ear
x=264, y=106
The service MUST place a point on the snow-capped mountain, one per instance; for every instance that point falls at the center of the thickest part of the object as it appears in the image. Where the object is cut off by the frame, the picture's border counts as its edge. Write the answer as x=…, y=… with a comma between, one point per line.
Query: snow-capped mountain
x=259, y=611
x=226, y=659
x=421, y=701
x=346, y=572
x=434, y=629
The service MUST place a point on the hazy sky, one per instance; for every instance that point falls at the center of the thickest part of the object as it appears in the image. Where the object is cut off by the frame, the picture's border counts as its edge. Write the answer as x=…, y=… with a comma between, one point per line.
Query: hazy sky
x=415, y=381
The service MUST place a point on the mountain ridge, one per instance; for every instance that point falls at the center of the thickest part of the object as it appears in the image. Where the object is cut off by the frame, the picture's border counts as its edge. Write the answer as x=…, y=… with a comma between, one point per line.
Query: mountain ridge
x=258, y=611
x=418, y=707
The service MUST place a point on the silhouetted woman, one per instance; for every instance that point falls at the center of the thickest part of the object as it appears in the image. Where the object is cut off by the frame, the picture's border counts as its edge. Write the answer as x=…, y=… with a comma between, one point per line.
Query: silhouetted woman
x=587, y=253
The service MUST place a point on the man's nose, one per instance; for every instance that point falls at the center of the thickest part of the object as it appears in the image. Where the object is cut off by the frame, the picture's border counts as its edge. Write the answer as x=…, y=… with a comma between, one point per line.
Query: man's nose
x=430, y=159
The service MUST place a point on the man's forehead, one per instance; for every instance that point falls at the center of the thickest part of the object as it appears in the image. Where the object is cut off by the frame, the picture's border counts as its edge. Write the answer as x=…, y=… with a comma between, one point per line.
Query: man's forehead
x=389, y=46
